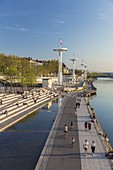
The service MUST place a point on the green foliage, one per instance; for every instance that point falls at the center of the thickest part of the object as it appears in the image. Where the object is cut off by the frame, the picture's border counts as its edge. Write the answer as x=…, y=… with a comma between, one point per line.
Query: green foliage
x=48, y=68
x=93, y=75
x=17, y=69
x=20, y=70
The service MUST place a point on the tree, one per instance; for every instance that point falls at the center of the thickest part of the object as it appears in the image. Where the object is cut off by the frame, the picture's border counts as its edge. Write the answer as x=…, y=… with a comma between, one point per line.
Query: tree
x=27, y=73
x=2, y=63
x=11, y=70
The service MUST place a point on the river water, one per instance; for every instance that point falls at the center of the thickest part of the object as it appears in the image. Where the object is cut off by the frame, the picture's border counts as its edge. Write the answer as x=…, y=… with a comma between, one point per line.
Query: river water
x=103, y=105
x=21, y=145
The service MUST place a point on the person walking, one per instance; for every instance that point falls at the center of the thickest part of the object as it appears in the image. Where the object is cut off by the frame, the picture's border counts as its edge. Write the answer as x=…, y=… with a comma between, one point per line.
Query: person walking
x=93, y=145
x=65, y=131
x=89, y=126
x=72, y=124
x=85, y=147
x=1, y=101
x=73, y=141
x=85, y=125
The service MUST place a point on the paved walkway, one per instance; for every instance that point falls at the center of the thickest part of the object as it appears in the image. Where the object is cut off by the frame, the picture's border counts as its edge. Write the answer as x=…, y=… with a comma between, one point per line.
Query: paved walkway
x=58, y=153
x=90, y=162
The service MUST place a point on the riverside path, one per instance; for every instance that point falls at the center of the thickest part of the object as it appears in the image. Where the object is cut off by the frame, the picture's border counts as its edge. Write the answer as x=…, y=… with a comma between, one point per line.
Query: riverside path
x=58, y=153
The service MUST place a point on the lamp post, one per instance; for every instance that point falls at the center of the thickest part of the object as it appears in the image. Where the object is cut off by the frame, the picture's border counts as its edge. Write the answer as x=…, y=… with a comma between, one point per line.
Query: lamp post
x=74, y=60
x=60, y=50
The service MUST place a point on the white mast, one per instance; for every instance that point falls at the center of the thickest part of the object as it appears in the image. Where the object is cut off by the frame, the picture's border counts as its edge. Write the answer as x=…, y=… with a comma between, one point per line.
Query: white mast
x=60, y=50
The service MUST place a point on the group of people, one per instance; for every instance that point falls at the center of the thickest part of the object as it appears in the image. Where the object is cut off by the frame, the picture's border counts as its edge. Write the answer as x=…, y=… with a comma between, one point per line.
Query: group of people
x=87, y=125
x=86, y=147
x=66, y=131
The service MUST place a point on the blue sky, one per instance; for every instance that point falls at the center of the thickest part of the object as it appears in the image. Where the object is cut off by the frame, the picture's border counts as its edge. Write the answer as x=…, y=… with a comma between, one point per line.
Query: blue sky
x=33, y=28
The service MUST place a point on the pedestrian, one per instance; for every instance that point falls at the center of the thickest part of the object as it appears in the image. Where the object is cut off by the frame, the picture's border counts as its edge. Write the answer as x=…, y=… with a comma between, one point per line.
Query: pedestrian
x=75, y=109
x=89, y=125
x=0, y=101
x=85, y=147
x=110, y=152
x=34, y=100
x=93, y=145
x=65, y=131
x=85, y=125
x=73, y=141
x=76, y=105
x=17, y=103
x=105, y=135
x=72, y=124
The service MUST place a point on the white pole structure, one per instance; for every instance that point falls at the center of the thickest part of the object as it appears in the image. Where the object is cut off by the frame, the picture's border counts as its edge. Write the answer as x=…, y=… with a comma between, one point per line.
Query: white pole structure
x=82, y=64
x=85, y=76
x=74, y=60
x=60, y=50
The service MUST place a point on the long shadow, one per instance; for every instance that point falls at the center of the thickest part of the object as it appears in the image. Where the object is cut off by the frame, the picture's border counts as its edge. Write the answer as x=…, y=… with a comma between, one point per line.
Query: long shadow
x=78, y=117
x=75, y=155
x=62, y=146
x=97, y=155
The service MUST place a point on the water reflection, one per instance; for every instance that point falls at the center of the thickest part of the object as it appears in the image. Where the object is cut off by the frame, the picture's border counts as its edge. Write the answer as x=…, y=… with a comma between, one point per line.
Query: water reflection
x=21, y=145
x=60, y=100
x=48, y=105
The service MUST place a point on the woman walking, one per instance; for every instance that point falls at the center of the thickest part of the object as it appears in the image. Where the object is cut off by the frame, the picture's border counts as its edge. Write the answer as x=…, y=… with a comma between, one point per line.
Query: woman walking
x=93, y=145
x=85, y=147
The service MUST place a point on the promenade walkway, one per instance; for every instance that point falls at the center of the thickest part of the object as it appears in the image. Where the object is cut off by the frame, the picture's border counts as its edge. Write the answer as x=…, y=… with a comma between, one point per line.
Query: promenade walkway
x=58, y=153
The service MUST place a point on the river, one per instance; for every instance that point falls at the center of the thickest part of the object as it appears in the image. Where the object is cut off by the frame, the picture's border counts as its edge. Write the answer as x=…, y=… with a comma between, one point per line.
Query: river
x=103, y=105
x=21, y=144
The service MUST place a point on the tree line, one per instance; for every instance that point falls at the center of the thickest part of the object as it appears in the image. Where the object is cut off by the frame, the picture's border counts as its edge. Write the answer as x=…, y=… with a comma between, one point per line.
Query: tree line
x=20, y=70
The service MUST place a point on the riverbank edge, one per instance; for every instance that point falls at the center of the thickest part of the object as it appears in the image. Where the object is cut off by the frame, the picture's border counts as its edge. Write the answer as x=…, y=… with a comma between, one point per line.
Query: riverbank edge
x=91, y=110
x=106, y=144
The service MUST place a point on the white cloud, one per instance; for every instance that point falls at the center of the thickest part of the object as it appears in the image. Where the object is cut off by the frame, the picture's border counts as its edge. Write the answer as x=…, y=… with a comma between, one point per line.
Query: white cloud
x=16, y=27
x=59, y=21
x=101, y=16
x=5, y=14
x=33, y=31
